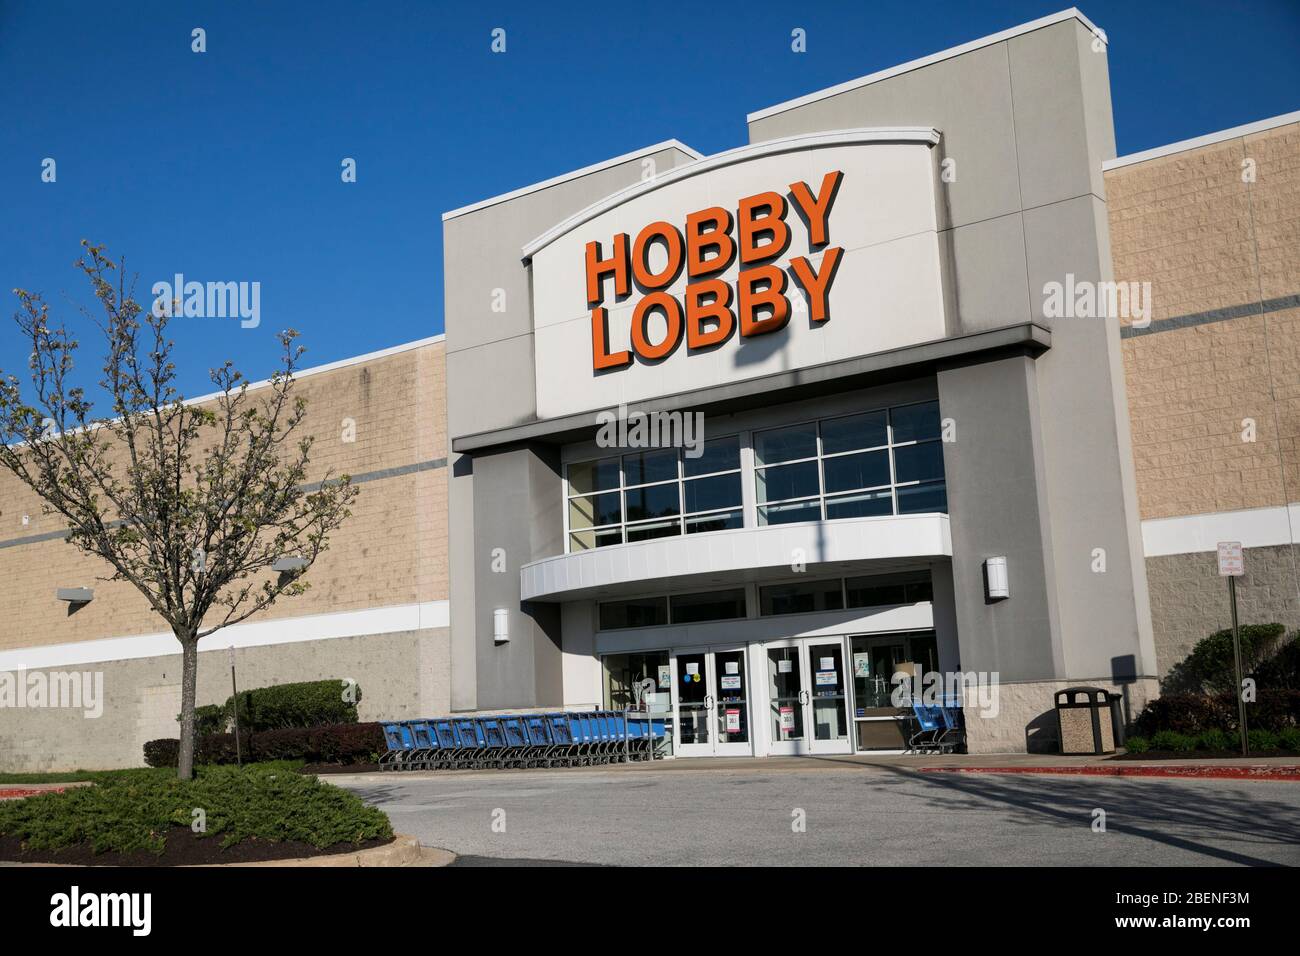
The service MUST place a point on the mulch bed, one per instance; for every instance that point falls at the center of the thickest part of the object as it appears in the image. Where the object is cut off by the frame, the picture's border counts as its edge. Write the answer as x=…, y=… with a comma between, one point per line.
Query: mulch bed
x=321, y=769
x=184, y=848
x=1201, y=755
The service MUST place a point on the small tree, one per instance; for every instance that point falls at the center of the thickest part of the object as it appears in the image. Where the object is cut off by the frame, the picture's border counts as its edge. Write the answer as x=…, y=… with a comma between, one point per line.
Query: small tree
x=192, y=504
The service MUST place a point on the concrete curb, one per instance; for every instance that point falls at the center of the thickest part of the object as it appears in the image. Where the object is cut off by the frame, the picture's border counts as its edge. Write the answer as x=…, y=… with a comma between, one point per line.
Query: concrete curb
x=1184, y=771
x=404, y=851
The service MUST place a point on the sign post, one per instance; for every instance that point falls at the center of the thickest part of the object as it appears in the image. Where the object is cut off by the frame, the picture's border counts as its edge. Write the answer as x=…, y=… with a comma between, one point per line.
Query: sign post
x=234, y=691
x=1232, y=565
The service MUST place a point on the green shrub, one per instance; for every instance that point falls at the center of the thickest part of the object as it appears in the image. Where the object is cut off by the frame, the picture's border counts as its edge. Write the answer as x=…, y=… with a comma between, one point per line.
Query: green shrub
x=1172, y=740
x=335, y=743
x=1214, y=739
x=1260, y=740
x=1273, y=710
x=1137, y=745
x=134, y=810
x=1209, y=668
x=307, y=704
x=1289, y=738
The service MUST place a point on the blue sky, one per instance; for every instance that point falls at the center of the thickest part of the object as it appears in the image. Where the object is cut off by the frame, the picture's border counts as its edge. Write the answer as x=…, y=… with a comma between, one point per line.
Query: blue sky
x=225, y=165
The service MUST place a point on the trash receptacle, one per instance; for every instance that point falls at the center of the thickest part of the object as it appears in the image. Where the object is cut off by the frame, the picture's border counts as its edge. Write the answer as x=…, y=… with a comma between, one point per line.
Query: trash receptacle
x=1084, y=717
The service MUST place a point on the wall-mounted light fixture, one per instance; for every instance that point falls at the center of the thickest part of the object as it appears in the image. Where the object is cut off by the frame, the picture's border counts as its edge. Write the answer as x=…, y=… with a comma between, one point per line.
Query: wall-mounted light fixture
x=289, y=563
x=75, y=595
x=996, y=587
x=500, y=625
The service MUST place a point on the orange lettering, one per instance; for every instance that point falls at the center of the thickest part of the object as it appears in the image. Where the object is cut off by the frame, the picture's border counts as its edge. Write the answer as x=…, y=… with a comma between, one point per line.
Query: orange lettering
x=601, y=357
x=817, y=210
x=762, y=215
x=672, y=240
x=772, y=296
x=817, y=285
x=672, y=311
x=598, y=268
x=717, y=309
x=700, y=241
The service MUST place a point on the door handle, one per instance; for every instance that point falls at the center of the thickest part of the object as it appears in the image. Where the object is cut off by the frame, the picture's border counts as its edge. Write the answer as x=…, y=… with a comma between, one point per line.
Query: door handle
x=803, y=696
x=708, y=701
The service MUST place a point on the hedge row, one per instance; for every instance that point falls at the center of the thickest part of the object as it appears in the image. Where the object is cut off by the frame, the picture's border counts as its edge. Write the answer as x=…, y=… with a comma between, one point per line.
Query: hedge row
x=333, y=743
x=1216, y=741
x=304, y=704
x=1194, y=714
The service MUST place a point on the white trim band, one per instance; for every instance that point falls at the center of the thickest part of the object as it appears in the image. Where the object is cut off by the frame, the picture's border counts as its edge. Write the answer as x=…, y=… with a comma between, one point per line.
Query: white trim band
x=923, y=135
x=294, y=630
x=564, y=177
x=1193, y=534
x=1209, y=139
x=1047, y=21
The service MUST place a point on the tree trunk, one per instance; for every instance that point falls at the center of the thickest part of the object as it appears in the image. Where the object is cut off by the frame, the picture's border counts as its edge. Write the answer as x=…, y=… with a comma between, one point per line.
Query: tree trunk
x=189, y=685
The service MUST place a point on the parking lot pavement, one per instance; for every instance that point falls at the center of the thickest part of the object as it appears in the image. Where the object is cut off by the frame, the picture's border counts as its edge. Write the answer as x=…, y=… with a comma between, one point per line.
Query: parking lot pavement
x=843, y=814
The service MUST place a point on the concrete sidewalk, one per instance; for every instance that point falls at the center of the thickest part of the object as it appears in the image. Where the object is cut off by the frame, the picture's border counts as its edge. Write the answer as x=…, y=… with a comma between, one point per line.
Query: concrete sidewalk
x=851, y=762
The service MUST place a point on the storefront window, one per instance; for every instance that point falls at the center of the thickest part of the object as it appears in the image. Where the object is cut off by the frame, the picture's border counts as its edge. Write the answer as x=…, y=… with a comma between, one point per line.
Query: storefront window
x=626, y=677
x=677, y=609
x=878, y=463
x=801, y=598
x=638, y=612
x=885, y=590
x=654, y=494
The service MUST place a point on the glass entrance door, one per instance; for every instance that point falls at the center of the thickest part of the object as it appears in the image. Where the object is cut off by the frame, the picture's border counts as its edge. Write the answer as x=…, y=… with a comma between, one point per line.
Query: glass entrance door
x=712, y=694
x=807, y=708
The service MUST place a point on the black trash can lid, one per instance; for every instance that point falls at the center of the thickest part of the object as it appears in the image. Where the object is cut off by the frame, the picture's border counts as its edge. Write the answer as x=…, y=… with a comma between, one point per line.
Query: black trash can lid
x=1095, y=695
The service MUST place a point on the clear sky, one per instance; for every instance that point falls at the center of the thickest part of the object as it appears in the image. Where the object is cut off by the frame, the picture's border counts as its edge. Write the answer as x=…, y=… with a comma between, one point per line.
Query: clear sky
x=225, y=165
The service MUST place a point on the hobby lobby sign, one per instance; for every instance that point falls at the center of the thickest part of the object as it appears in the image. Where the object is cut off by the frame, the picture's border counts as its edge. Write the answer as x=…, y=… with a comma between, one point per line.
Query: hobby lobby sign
x=712, y=309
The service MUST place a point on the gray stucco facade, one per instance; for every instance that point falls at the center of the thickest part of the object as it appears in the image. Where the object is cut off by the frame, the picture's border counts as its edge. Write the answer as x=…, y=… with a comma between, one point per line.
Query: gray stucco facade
x=1038, y=469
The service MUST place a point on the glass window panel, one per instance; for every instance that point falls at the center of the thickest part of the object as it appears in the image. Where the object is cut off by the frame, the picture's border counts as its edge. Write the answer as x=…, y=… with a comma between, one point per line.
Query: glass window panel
x=786, y=444
x=864, y=504
x=915, y=422
x=788, y=481
x=712, y=494
x=655, y=529
x=638, y=612
x=863, y=470
x=707, y=606
x=916, y=499
x=624, y=674
x=882, y=590
x=716, y=522
x=790, y=513
x=589, y=476
x=918, y=462
x=586, y=540
x=720, y=454
x=800, y=598
x=854, y=432
x=652, y=501
x=650, y=466
x=593, y=510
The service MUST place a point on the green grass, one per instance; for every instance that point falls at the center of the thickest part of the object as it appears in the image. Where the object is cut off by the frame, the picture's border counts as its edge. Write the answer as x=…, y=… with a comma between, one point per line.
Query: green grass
x=134, y=809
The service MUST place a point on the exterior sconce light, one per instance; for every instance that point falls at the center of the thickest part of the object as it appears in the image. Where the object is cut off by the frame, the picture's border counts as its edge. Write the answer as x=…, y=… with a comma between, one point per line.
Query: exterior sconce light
x=500, y=625
x=288, y=564
x=75, y=595
x=996, y=587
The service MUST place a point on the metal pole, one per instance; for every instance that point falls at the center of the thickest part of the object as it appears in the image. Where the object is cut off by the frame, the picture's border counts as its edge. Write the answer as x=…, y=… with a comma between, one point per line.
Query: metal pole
x=234, y=696
x=1236, y=659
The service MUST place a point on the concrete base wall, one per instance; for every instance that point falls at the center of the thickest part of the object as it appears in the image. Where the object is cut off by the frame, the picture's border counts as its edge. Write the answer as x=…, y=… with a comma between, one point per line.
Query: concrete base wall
x=1026, y=717
x=402, y=676
x=1189, y=601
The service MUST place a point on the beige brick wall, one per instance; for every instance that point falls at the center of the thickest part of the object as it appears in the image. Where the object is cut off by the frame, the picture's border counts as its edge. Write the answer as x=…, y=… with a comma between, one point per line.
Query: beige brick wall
x=1206, y=240
x=393, y=549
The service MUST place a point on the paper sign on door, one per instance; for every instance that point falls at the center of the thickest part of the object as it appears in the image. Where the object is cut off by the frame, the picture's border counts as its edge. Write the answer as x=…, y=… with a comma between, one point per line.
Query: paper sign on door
x=665, y=676
x=692, y=669
x=731, y=682
x=828, y=664
x=827, y=677
x=733, y=721
x=733, y=667
x=784, y=667
x=787, y=720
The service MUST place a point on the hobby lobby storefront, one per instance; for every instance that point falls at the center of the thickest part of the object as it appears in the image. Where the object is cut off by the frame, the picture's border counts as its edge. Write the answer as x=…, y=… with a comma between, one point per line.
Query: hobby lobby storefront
x=740, y=437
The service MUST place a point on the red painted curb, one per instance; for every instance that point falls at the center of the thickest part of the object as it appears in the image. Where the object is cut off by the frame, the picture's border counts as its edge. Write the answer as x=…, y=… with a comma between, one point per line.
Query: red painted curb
x=1180, y=770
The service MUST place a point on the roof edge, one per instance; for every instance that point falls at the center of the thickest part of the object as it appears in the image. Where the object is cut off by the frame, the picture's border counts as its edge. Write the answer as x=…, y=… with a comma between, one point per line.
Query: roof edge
x=1209, y=139
x=1073, y=13
x=574, y=174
